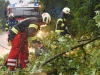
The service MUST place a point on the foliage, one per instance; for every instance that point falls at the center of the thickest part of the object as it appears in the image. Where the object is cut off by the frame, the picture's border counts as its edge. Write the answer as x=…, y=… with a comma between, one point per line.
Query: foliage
x=97, y=18
x=3, y=7
x=82, y=10
x=83, y=60
x=53, y=7
x=73, y=62
x=80, y=61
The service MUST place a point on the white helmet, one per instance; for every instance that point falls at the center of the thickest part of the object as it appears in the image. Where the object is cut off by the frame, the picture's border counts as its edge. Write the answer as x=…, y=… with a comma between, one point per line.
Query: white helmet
x=11, y=15
x=46, y=18
x=66, y=10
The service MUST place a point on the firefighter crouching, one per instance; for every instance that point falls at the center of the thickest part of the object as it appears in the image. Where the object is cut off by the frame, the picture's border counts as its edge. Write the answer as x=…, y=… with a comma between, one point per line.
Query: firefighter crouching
x=19, y=36
x=10, y=23
x=61, y=25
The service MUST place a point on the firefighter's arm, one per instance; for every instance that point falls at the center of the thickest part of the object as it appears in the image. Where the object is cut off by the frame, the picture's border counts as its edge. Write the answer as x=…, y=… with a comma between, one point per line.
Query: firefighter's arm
x=33, y=42
x=59, y=24
x=16, y=21
x=6, y=29
x=66, y=28
x=32, y=32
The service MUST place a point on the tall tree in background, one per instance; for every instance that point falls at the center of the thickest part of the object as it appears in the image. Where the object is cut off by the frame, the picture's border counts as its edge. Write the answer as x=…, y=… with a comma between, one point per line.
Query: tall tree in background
x=54, y=7
x=3, y=7
x=83, y=11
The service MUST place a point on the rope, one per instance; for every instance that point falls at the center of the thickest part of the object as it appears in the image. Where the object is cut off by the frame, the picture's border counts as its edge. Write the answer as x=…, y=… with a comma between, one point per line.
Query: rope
x=4, y=47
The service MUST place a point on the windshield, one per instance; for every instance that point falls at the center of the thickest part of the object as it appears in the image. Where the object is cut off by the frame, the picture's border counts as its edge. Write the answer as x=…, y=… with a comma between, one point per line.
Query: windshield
x=26, y=11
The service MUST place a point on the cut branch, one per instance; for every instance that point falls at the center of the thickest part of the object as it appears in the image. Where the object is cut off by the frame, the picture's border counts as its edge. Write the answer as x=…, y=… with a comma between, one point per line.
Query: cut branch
x=84, y=53
x=57, y=55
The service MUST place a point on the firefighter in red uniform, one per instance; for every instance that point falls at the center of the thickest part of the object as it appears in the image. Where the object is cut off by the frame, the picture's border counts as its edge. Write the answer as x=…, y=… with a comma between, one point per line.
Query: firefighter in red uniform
x=18, y=36
x=61, y=26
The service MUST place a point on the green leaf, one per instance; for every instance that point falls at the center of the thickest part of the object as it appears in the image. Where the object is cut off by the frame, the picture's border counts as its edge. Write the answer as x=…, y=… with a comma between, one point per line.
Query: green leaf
x=67, y=48
x=61, y=39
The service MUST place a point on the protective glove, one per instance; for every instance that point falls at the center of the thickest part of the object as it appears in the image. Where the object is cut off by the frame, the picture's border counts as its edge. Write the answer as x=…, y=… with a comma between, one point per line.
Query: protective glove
x=66, y=28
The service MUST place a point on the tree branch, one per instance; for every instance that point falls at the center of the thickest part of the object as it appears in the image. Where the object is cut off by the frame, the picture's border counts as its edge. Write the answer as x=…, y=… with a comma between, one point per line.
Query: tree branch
x=84, y=53
x=57, y=55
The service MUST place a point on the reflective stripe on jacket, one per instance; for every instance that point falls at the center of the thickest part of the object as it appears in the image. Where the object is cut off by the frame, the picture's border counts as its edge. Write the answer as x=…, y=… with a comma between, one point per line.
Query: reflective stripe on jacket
x=33, y=25
x=15, y=30
x=60, y=26
x=36, y=27
x=10, y=24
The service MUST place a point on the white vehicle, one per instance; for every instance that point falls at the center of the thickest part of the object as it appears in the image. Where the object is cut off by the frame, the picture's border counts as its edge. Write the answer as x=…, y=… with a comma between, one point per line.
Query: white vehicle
x=22, y=10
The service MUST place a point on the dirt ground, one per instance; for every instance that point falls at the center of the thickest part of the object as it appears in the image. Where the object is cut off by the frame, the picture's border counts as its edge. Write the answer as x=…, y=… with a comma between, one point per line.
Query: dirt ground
x=4, y=48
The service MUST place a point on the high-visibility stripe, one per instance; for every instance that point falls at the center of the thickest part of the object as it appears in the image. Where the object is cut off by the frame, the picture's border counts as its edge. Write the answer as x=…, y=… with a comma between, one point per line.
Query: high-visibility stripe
x=62, y=25
x=11, y=64
x=64, y=19
x=6, y=28
x=26, y=60
x=6, y=24
x=12, y=60
x=60, y=19
x=14, y=30
x=33, y=38
x=27, y=64
x=59, y=31
x=33, y=25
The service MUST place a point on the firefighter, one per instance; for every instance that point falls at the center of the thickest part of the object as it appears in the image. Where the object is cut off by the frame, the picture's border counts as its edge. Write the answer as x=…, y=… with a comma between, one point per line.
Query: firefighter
x=19, y=35
x=10, y=23
x=62, y=22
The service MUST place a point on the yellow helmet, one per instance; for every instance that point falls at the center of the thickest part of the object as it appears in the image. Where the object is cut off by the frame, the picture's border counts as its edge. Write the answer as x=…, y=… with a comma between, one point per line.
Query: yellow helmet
x=46, y=18
x=66, y=10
